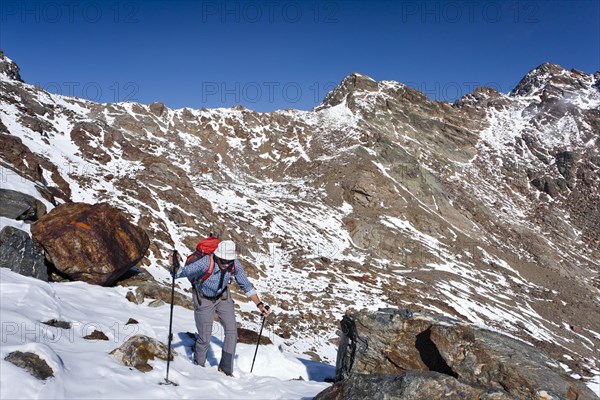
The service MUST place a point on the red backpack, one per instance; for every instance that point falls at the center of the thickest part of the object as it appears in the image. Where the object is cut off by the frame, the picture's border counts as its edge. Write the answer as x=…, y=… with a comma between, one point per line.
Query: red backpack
x=203, y=248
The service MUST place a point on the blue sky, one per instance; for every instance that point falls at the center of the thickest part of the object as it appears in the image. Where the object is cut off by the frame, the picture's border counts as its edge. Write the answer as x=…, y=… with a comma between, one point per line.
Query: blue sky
x=288, y=54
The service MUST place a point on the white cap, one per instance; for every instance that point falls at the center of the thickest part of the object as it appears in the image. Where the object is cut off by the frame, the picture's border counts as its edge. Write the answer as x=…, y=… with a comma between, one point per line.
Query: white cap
x=226, y=250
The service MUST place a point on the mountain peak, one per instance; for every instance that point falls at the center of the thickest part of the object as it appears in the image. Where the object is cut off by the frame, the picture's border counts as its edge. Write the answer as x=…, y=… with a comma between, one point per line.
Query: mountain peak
x=547, y=76
x=9, y=68
x=354, y=82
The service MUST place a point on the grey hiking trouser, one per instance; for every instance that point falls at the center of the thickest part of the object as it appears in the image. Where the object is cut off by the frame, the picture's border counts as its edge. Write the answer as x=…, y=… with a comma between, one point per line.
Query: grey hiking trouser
x=204, y=313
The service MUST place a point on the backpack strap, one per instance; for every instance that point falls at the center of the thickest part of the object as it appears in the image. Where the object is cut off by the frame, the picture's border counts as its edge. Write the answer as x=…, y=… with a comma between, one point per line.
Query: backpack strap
x=211, y=268
x=192, y=258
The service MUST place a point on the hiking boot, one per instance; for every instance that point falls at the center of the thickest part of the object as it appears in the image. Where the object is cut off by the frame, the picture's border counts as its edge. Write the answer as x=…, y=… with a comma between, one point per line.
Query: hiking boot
x=221, y=370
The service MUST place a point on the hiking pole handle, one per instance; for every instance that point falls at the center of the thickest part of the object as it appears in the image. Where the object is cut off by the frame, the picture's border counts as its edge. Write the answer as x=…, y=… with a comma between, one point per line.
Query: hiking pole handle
x=266, y=307
x=176, y=258
x=176, y=263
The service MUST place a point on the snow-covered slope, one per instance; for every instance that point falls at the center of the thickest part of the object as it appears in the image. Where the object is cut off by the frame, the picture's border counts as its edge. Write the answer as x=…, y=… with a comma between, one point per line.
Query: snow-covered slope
x=84, y=369
x=486, y=209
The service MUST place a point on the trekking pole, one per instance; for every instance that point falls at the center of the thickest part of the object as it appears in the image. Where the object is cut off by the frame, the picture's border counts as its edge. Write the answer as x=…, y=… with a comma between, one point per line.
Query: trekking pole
x=258, y=341
x=173, y=271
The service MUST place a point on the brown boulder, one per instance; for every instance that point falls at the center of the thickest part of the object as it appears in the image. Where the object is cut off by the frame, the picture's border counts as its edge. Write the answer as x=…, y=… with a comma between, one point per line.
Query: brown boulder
x=251, y=337
x=91, y=243
x=138, y=350
x=96, y=335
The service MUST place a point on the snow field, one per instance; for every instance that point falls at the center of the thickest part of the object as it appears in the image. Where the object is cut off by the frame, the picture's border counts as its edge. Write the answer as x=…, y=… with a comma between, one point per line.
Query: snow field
x=84, y=369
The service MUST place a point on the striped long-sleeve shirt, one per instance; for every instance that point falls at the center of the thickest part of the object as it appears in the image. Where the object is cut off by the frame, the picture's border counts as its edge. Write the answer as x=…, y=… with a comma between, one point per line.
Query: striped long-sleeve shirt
x=210, y=287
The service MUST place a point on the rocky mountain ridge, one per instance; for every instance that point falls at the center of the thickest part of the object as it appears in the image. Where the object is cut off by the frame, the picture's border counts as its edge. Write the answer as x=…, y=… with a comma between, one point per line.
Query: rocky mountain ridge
x=485, y=210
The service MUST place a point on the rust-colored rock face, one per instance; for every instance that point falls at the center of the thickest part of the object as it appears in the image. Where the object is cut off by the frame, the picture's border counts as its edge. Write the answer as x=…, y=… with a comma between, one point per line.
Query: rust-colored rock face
x=91, y=243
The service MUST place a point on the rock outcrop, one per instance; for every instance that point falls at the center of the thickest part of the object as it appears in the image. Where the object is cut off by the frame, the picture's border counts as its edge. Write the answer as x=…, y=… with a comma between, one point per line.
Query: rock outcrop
x=91, y=243
x=138, y=350
x=148, y=288
x=9, y=68
x=21, y=254
x=20, y=206
x=409, y=385
x=23, y=162
x=474, y=361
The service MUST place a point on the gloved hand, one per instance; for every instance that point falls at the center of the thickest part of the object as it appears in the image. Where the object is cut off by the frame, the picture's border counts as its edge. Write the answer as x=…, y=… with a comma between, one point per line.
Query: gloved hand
x=264, y=310
x=175, y=261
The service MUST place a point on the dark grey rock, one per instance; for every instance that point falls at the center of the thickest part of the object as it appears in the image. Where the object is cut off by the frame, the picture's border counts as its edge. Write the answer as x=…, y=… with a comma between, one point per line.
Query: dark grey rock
x=31, y=362
x=58, y=324
x=20, y=206
x=21, y=254
x=566, y=162
x=392, y=341
x=3, y=128
x=408, y=385
x=547, y=185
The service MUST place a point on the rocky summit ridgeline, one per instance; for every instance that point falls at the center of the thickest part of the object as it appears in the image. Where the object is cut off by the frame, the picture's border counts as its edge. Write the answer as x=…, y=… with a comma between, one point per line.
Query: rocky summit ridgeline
x=486, y=210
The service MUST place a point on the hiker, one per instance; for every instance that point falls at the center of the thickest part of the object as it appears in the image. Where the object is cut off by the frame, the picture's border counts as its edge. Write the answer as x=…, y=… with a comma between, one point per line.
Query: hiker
x=212, y=295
